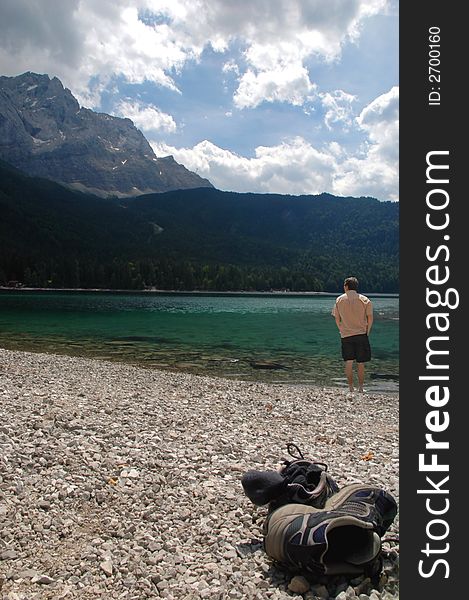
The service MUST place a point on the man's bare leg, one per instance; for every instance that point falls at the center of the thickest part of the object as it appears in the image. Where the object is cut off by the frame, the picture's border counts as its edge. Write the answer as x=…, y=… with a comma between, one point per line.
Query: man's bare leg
x=349, y=374
x=361, y=376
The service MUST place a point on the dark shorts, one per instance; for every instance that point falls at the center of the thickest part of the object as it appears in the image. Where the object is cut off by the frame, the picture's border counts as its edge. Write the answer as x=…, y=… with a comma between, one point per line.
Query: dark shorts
x=356, y=347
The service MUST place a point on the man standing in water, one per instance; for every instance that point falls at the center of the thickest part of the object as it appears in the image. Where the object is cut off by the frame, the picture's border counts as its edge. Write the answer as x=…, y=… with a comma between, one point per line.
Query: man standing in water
x=353, y=314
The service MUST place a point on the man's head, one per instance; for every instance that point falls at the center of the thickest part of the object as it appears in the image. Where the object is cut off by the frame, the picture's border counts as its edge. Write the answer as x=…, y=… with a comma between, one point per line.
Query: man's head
x=351, y=283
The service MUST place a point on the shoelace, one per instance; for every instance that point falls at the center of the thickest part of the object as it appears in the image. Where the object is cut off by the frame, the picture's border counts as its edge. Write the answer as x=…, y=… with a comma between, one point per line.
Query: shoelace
x=321, y=487
x=292, y=445
x=300, y=456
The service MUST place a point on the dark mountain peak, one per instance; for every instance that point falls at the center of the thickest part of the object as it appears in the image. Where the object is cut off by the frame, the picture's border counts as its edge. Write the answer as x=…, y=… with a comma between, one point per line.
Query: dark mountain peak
x=33, y=85
x=44, y=132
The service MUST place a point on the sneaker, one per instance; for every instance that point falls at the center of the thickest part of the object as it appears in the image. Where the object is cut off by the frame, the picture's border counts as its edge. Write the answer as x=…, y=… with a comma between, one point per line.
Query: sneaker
x=262, y=487
x=343, y=538
x=298, y=481
x=307, y=482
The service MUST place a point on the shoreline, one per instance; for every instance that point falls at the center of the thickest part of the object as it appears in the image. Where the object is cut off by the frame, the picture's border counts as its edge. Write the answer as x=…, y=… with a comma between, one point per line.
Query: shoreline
x=121, y=481
x=260, y=294
x=224, y=377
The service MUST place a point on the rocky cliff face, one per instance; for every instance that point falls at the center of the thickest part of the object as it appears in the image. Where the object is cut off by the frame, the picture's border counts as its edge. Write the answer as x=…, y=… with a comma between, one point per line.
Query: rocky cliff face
x=44, y=132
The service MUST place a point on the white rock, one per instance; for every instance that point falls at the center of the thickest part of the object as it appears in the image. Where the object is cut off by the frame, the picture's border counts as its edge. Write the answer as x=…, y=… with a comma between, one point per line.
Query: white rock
x=107, y=567
x=42, y=579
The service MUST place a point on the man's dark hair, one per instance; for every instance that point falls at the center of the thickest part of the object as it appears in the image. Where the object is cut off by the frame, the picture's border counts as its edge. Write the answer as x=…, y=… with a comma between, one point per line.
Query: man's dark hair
x=351, y=283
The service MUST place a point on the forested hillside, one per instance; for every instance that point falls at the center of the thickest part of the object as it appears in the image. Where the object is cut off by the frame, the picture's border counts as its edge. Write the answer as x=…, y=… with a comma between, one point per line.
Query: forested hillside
x=202, y=239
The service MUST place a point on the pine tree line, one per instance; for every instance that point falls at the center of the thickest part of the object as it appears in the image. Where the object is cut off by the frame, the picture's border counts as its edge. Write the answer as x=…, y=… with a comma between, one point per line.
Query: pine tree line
x=166, y=274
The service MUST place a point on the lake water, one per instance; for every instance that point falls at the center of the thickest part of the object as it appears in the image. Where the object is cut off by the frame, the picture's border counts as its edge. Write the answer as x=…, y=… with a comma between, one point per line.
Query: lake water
x=231, y=336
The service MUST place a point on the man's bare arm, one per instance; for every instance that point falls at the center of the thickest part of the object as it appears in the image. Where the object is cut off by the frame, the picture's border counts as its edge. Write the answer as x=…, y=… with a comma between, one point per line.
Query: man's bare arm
x=369, y=323
x=337, y=319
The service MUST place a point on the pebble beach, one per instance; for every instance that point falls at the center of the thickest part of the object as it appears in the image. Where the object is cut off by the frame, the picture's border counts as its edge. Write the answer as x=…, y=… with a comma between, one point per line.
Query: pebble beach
x=118, y=481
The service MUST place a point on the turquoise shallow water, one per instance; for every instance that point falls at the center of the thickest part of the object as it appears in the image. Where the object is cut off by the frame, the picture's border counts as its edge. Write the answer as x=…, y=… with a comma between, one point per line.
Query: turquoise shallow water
x=218, y=335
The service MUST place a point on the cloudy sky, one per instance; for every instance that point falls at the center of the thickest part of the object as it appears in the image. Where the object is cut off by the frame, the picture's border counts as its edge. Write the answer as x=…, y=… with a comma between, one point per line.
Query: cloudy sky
x=285, y=96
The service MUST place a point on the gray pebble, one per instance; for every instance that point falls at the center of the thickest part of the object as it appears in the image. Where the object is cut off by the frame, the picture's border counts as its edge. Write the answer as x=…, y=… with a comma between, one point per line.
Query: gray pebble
x=298, y=585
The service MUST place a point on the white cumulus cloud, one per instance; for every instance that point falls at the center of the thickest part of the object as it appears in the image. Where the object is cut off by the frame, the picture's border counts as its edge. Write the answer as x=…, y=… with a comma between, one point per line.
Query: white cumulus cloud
x=288, y=83
x=297, y=167
x=87, y=44
x=145, y=116
x=377, y=170
x=339, y=109
x=380, y=119
x=293, y=167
